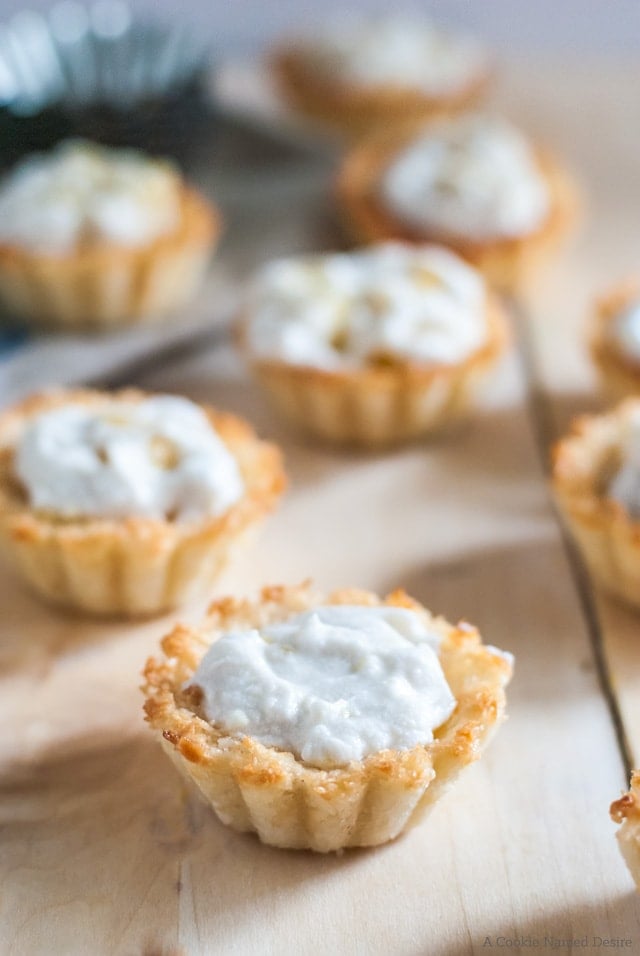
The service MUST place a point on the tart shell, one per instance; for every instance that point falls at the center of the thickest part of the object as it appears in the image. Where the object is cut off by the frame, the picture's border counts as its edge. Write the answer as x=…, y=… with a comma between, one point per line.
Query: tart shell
x=606, y=534
x=626, y=811
x=508, y=263
x=382, y=405
x=106, y=286
x=289, y=803
x=357, y=110
x=134, y=566
x=619, y=373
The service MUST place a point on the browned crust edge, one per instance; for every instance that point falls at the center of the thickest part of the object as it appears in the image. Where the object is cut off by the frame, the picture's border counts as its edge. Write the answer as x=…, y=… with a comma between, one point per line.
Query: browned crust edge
x=476, y=674
x=577, y=463
x=626, y=812
x=607, y=535
x=627, y=807
x=620, y=373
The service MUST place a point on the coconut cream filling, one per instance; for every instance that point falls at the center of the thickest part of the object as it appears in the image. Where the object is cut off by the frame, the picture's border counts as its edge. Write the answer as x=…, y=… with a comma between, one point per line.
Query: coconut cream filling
x=331, y=685
x=396, y=52
x=81, y=194
x=157, y=458
x=341, y=311
x=475, y=177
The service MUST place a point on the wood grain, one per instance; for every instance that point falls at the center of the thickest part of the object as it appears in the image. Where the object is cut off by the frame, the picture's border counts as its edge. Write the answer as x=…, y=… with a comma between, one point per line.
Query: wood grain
x=599, y=131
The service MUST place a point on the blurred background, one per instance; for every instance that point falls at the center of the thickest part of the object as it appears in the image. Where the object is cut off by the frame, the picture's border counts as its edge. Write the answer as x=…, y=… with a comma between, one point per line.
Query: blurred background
x=574, y=26
x=183, y=78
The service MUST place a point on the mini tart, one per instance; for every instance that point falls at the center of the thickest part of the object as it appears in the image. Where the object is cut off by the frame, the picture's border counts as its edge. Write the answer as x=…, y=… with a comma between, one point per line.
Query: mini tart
x=608, y=537
x=626, y=811
x=507, y=263
x=133, y=566
x=104, y=285
x=386, y=403
x=287, y=802
x=620, y=373
x=357, y=110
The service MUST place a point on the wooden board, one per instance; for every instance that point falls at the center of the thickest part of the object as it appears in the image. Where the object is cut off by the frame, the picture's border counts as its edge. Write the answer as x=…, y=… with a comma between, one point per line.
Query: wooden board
x=593, y=123
x=104, y=851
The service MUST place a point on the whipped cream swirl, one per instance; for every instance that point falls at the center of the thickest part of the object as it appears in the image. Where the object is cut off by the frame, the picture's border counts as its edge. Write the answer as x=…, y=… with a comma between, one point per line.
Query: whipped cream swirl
x=340, y=311
x=331, y=685
x=396, y=52
x=157, y=458
x=82, y=194
x=474, y=178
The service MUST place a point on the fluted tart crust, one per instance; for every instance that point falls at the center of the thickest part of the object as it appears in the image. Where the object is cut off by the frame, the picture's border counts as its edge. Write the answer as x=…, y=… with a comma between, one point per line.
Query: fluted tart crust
x=287, y=802
x=626, y=811
x=619, y=372
x=382, y=403
x=105, y=285
x=357, y=110
x=138, y=565
x=608, y=537
x=507, y=263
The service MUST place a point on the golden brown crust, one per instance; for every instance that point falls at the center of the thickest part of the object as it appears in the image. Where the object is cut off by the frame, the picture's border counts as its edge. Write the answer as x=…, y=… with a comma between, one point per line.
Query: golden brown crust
x=382, y=405
x=104, y=284
x=620, y=373
x=288, y=802
x=583, y=463
x=136, y=565
x=358, y=110
x=626, y=811
x=508, y=263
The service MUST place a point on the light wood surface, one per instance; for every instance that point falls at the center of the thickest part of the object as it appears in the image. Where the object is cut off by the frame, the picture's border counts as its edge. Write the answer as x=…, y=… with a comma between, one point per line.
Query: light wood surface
x=103, y=849
x=595, y=128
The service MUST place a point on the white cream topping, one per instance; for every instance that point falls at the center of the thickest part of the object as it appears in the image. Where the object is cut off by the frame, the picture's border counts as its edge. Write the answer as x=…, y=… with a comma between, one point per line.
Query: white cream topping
x=157, y=458
x=625, y=485
x=86, y=193
x=397, y=52
x=474, y=177
x=344, y=310
x=331, y=685
x=624, y=331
